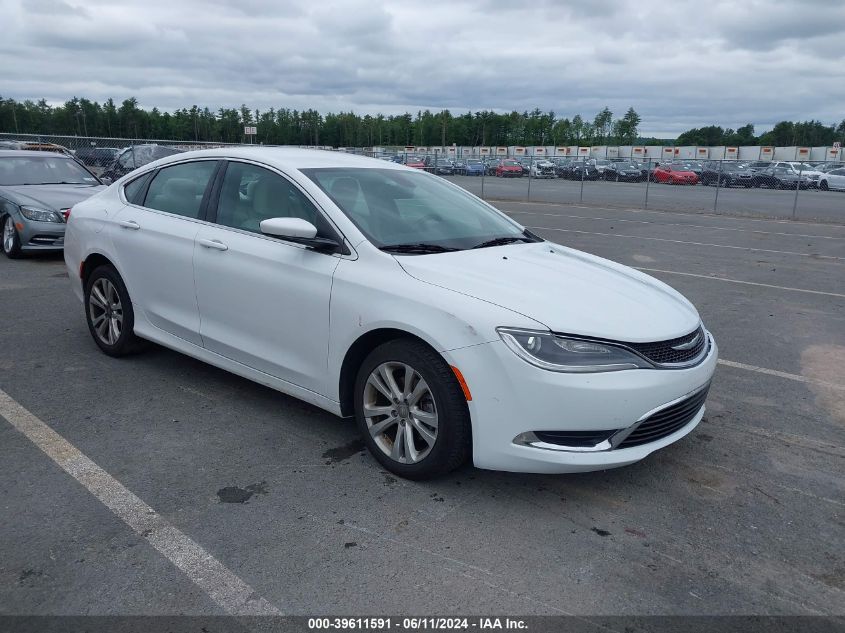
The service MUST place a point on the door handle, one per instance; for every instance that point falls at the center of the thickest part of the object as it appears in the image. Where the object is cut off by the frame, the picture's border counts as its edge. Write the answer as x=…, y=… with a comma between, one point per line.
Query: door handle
x=215, y=244
x=129, y=224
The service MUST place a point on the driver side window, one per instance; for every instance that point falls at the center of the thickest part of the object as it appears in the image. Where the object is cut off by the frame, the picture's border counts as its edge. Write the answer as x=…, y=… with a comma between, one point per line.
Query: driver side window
x=250, y=194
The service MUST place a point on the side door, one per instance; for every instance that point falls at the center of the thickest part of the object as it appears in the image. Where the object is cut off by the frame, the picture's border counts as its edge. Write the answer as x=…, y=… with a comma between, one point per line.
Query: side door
x=766, y=177
x=263, y=301
x=154, y=243
x=836, y=179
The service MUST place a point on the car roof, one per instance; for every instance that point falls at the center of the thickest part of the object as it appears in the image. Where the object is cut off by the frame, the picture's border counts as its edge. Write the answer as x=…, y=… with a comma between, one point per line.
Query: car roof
x=285, y=158
x=32, y=152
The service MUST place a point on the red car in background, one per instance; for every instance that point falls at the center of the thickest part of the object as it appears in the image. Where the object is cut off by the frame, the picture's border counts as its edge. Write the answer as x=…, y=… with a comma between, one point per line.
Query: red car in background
x=509, y=169
x=674, y=174
x=415, y=162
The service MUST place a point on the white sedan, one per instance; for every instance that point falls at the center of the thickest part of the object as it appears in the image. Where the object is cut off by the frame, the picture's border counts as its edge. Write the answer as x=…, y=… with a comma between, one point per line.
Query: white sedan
x=385, y=293
x=833, y=179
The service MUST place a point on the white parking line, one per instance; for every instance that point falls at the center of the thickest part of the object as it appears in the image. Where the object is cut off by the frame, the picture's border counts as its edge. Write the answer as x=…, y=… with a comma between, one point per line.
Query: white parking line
x=663, y=239
x=739, y=281
x=780, y=374
x=681, y=224
x=231, y=593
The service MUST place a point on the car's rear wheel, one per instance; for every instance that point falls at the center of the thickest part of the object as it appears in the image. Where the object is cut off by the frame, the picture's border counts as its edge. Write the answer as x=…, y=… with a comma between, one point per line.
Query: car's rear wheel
x=11, y=240
x=411, y=410
x=109, y=313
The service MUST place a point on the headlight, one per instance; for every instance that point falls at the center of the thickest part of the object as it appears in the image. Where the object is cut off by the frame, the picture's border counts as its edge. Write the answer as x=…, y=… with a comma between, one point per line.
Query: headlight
x=559, y=353
x=40, y=215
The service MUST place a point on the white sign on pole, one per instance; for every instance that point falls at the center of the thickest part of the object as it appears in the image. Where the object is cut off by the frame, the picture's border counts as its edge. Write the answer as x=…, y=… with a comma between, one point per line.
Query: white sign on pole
x=837, y=144
x=250, y=130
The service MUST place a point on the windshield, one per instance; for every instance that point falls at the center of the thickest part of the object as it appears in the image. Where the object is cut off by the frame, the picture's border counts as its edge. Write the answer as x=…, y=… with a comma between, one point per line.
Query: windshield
x=43, y=169
x=395, y=207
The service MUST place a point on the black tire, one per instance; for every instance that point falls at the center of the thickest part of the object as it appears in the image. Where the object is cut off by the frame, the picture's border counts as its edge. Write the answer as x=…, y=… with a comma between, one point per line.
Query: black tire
x=824, y=186
x=14, y=251
x=126, y=342
x=453, y=444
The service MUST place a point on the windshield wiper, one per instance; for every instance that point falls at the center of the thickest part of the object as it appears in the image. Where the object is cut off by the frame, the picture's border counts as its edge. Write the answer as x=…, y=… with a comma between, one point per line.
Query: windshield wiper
x=501, y=241
x=420, y=249
x=62, y=182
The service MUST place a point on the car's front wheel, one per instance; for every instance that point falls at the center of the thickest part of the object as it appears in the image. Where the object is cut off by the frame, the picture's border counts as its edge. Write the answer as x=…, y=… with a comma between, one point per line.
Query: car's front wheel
x=412, y=411
x=109, y=313
x=11, y=240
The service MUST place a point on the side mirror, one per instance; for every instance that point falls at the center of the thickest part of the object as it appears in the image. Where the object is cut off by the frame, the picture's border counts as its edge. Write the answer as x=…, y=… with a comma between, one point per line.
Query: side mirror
x=288, y=227
x=299, y=231
x=106, y=180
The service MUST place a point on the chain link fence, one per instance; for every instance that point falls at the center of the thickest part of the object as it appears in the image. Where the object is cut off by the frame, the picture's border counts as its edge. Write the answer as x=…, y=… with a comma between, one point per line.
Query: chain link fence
x=807, y=190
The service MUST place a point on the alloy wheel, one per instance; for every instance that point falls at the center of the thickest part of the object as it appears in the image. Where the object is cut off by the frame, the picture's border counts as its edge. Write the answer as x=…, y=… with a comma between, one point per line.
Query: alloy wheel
x=8, y=235
x=105, y=311
x=400, y=412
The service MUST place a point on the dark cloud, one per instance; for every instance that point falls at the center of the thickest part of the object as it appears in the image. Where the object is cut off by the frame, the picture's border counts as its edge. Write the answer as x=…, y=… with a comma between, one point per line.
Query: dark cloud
x=680, y=63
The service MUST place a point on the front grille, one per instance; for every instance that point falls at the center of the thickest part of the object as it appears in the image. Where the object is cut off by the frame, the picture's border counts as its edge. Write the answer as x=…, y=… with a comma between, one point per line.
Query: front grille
x=574, y=438
x=666, y=421
x=663, y=354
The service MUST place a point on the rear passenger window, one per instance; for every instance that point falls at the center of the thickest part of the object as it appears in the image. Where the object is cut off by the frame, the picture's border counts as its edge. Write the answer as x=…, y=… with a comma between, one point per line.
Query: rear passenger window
x=179, y=189
x=135, y=189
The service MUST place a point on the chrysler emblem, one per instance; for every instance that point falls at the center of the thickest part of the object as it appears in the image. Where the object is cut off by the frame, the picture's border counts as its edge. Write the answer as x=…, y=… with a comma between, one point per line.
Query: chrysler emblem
x=689, y=344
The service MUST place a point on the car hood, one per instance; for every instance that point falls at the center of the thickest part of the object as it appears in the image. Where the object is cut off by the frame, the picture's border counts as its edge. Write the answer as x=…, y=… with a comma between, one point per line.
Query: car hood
x=566, y=290
x=54, y=197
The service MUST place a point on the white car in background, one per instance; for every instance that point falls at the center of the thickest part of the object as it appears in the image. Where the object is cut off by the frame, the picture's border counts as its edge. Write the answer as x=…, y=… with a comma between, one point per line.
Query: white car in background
x=385, y=293
x=542, y=169
x=808, y=171
x=833, y=179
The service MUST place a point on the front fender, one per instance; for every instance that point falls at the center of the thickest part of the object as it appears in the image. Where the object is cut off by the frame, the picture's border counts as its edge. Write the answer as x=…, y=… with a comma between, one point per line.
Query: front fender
x=374, y=292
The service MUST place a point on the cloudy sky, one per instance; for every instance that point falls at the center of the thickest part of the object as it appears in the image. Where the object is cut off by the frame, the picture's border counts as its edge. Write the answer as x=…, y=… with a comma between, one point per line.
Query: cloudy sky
x=679, y=63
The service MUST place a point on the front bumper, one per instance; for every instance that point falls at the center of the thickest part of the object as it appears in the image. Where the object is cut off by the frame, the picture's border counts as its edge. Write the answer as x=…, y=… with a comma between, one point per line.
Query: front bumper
x=41, y=236
x=511, y=398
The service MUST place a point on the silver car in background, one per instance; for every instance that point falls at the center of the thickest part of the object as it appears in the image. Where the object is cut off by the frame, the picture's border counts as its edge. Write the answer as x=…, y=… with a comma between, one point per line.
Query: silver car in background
x=37, y=190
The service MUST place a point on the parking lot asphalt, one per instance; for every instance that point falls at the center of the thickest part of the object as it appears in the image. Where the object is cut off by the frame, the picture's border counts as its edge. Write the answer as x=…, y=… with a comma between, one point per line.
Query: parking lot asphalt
x=746, y=515
x=812, y=204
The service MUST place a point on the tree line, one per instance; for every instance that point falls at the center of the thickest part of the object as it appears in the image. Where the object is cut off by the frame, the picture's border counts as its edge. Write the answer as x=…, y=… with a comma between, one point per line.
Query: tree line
x=784, y=134
x=285, y=126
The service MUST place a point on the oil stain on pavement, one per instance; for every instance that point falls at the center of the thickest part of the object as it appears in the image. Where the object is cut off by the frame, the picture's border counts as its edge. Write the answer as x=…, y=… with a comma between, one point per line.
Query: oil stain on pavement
x=233, y=494
x=344, y=452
